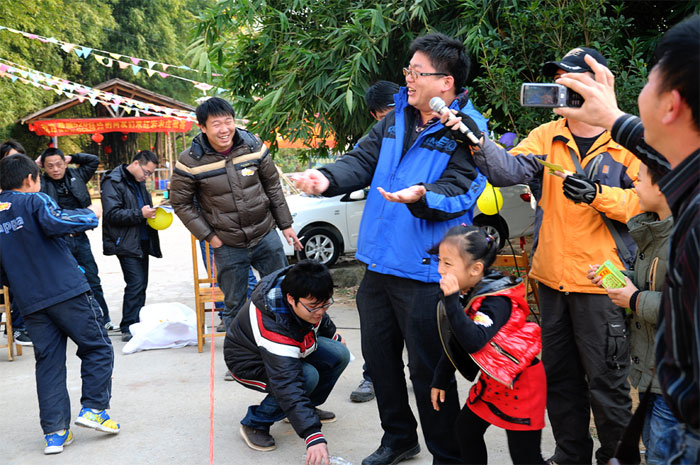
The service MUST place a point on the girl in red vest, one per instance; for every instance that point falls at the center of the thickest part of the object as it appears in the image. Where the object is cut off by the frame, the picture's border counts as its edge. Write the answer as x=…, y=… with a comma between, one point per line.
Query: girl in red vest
x=483, y=330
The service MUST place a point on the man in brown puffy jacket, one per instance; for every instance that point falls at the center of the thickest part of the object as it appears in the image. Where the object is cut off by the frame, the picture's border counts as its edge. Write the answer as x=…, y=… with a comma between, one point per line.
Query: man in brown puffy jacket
x=226, y=190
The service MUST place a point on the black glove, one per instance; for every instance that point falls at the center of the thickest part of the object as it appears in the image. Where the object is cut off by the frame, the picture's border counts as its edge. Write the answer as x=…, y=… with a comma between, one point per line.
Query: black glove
x=580, y=189
x=462, y=138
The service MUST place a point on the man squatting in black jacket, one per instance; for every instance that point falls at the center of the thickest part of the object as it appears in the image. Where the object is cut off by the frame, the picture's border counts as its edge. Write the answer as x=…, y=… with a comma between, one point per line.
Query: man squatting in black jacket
x=283, y=343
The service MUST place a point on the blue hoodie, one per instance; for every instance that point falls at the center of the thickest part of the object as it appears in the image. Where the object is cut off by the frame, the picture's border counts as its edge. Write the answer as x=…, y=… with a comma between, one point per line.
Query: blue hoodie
x=35, y=262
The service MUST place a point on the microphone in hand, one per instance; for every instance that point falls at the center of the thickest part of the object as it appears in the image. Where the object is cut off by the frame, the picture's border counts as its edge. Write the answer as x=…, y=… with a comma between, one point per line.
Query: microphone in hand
x=467, y=128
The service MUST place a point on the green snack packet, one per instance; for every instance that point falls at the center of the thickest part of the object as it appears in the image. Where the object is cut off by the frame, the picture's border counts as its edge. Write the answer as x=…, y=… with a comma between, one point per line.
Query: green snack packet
x=612, y=277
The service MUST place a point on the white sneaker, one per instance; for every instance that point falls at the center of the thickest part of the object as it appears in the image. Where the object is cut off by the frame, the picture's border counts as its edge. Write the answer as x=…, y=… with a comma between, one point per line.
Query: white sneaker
x=109, y=326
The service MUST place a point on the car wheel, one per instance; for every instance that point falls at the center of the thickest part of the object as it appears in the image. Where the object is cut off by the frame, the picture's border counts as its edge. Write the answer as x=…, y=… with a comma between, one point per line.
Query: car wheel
x=495, y=225
x=321, y=245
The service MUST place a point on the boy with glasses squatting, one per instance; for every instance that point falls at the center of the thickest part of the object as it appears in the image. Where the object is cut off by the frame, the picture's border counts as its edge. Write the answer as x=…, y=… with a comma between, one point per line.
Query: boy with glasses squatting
x=284, y=344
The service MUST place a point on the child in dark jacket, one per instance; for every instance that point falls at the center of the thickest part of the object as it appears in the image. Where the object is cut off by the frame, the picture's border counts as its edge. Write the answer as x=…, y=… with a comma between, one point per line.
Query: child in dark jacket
x=483, y=330
x=54, y=297
x=651, y=231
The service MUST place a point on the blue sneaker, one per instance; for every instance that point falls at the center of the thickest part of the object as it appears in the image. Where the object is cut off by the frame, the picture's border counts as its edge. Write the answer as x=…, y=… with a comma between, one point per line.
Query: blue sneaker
x=56, y=441
x=97, y=419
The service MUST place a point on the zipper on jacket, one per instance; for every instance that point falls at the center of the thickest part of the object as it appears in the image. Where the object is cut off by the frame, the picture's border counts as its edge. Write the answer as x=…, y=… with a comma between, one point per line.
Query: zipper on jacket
x=504, y=352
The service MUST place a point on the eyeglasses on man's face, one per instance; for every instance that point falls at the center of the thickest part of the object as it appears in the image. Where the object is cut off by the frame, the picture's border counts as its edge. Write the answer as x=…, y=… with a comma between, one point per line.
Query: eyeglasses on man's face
x=320, y=307
x=146, y=173
x=414, y=74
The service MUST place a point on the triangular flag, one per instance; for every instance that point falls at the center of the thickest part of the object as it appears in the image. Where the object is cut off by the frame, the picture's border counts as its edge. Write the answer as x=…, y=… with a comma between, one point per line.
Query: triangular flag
x=81, y=98
x=203, y=86
x=13, y=77
x=127, y=110
x=150, y=63
x=104, y=61
x=122, y=64
x=58, y=91
x=137, y=114
x=3, y=67
x=165, y=66
x=116, y=56
x=135, y=69
x=115, y=108
x=69, y=95
x=150, y=72
x=135, y=60
x=162, y=74
x=86, y=52
x=52, y=40
x=93, y=102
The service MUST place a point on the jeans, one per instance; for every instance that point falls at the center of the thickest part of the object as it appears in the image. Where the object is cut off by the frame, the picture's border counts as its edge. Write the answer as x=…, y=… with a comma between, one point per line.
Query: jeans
x=684, y=446
x=80, y=319
x=585, y=351
x=233, y=268
x=396, y=311
x=135, y=271
x=321, y=369
x=79, y=246
x=658, y=422
x=252, y=280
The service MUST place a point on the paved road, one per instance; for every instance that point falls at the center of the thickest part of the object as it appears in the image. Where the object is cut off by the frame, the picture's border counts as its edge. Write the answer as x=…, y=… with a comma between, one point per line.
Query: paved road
x=161, y=397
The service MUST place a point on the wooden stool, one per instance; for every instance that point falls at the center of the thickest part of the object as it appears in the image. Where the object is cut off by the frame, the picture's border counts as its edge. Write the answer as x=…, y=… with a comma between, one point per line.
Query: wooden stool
x=7, y=323
x=204, y=292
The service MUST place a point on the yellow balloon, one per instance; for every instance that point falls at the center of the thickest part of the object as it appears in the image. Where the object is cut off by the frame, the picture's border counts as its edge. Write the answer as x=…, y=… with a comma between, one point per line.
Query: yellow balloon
x=162, y=220
x=490, y=201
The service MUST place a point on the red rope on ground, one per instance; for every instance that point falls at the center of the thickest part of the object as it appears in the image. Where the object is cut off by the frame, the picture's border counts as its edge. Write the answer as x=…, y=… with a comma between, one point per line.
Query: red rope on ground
x=211, y=370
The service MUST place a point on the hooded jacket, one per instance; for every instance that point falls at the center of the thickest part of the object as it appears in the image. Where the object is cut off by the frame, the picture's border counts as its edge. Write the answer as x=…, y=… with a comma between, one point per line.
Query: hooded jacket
x=122, y=216
x=651, y=263
x=35, y=262
x=264, y=349
x=394, y=238
x=237, y=196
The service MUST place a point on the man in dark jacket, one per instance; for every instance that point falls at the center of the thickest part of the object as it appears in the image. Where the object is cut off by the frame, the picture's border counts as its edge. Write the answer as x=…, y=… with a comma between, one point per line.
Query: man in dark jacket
x=284, y=344
x=226, y=190
x=125, y=233
x=68, y=187
x=436, y=184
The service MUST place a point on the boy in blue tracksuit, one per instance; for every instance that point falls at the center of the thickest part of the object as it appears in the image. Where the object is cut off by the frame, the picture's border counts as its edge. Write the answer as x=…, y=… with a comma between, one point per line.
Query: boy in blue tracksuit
x=55, y=300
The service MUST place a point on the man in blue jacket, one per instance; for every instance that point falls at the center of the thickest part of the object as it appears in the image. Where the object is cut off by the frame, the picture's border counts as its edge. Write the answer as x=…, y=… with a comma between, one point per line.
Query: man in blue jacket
x=422, y=183
x=68, y=187
x=55, y=300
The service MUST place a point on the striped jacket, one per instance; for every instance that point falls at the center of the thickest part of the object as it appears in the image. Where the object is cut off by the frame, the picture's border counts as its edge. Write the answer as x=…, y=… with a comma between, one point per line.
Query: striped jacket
x=264, y=349
x=34, y=259
x=237, y=196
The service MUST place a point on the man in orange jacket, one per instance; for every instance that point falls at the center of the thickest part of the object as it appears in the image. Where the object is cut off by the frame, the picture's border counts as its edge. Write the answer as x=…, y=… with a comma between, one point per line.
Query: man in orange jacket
x=580, y=220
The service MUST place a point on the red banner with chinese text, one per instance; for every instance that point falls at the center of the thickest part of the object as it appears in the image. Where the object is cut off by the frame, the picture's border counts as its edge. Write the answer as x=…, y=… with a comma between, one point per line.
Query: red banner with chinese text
x=69, y=127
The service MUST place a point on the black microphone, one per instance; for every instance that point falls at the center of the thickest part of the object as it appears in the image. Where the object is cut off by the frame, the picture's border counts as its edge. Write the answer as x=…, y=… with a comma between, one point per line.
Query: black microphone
x=438, y=106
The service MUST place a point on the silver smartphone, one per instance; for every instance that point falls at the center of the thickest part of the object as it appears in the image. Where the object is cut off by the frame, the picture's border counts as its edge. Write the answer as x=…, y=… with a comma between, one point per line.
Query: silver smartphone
x=534, y=94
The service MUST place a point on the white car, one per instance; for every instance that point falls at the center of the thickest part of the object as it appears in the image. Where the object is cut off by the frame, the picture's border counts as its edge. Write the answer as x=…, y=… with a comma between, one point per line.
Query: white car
x=328, y=226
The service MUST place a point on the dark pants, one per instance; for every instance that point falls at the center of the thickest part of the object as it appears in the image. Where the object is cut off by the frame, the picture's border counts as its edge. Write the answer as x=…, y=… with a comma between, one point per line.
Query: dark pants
x=321, y=370
x=79, y=246
x=585, y=351
x=80, y=319
x=252, y=280
x=233, y=265
x=135, y=271
x=394, y=311
x=524, y=446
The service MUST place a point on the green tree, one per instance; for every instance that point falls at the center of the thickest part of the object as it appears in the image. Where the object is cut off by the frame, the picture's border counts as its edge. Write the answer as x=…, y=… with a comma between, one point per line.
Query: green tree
x=294, y=65
x=158, y=30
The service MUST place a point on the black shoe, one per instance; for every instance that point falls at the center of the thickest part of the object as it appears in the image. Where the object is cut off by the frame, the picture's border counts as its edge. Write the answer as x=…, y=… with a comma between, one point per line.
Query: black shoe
x=126, y=337
x=258, y=439
x=387, y=456
x=22, y=338
x=364, y=392
x=221, y=327
x=323, y=415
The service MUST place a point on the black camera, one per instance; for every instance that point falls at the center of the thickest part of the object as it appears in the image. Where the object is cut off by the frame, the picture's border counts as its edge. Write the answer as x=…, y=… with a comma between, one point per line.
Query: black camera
x=548, y=96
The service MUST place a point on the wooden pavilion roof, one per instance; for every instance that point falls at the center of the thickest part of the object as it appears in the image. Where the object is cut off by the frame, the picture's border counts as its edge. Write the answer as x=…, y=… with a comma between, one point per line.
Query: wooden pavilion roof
x=117, y=87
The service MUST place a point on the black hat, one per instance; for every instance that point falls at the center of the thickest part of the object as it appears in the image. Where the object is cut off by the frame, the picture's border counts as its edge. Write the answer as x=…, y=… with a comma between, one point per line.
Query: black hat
x=573, y=62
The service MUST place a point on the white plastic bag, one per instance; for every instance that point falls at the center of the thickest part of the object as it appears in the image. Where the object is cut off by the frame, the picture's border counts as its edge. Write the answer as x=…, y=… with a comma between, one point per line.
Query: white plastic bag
x=163, y=326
